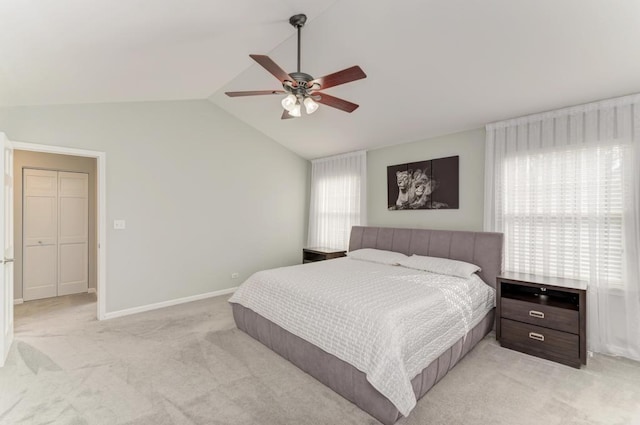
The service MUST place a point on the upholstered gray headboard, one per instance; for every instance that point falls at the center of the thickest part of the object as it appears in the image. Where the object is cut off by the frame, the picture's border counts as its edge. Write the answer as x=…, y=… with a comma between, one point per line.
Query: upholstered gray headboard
x=483, y=249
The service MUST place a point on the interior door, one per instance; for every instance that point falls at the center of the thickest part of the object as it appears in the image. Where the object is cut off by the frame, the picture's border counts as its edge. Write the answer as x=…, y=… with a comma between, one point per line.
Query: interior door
x=6, y=248
x=73, y=233
x=40, y=231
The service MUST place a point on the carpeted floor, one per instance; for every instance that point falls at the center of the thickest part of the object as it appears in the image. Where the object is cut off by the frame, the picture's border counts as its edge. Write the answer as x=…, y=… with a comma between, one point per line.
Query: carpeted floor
x=188, y=364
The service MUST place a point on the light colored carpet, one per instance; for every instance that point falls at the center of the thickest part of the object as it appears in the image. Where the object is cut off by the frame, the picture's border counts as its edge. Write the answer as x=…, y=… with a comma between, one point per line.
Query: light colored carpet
x=189, y=365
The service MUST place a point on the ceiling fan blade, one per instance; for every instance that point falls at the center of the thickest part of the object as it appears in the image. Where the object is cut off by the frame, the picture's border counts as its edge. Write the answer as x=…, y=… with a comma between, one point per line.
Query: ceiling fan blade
x=336, y=102
x=253, y=93
x=286, y=116
x=272, y=67
x=341, y=77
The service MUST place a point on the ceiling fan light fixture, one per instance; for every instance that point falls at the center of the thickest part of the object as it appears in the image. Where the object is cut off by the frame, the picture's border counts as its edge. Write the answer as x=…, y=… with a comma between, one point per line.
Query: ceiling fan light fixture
x=310, y=105
x=289, y=102
x=295, y=112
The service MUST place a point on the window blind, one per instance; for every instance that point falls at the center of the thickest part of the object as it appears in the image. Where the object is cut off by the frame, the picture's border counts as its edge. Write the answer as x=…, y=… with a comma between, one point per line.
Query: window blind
x=562, y=211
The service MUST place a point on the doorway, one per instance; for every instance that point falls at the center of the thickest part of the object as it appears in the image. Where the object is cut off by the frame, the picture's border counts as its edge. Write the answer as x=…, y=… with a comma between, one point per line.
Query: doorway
x=7, y=148
x=96, y=234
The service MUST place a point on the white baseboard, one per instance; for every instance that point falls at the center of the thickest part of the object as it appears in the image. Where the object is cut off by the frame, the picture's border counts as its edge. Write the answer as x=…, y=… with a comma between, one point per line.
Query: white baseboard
x=163, y=304
x=91, y=291
x=18, y=301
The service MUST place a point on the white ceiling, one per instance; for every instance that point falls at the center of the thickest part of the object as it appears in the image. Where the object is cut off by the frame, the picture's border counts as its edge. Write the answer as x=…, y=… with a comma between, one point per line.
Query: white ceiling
x=78, y=51
x=434, y=66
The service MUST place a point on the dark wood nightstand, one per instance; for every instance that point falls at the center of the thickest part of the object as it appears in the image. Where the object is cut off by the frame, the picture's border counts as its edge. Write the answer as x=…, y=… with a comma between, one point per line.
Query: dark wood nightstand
x=543, y=316
x=311, y=255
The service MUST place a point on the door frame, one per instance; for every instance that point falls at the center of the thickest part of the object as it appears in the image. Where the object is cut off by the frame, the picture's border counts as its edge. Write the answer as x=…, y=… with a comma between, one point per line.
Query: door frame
x=101, y=207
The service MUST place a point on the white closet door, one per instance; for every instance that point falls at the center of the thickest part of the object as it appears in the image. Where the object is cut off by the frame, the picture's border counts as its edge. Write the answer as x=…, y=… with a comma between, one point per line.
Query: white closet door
x=73, y=233
x=40, y=230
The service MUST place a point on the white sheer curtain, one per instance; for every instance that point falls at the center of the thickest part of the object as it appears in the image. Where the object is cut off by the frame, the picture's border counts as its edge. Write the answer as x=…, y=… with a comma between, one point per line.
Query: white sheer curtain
x=338, y=199
x=564, y=187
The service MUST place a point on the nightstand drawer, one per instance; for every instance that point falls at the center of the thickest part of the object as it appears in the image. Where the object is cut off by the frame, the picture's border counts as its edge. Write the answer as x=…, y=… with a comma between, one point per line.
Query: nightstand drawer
x=540, y=341
x=561, y=319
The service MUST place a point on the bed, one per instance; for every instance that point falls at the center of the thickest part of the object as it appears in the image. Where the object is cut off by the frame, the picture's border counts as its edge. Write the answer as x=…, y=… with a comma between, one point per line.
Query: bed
x=324, y=355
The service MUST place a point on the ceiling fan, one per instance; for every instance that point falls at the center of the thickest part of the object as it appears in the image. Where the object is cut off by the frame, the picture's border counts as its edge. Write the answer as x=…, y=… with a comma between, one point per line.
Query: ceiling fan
x=301, y=88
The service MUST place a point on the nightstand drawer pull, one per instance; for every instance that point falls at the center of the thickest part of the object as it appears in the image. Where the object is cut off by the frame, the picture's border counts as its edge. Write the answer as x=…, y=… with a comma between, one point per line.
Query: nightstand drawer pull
x=536, y=336
x=536, y=314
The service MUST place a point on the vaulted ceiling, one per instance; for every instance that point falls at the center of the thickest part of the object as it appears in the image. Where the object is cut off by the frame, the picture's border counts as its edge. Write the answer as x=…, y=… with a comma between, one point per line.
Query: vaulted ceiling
x=434, y=66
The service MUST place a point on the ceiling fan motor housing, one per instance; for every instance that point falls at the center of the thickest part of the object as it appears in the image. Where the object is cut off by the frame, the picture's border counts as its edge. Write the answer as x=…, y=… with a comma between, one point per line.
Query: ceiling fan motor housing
x=301, y=88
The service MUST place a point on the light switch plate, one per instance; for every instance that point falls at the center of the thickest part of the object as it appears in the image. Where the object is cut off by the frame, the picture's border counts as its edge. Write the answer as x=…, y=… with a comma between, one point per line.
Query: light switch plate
x=119, y=224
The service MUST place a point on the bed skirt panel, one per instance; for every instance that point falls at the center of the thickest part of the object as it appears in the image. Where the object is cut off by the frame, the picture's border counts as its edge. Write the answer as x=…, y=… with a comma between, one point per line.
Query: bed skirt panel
x=345, y=379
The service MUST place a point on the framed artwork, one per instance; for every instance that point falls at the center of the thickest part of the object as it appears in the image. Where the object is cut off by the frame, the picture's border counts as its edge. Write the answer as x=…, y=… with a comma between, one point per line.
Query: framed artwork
x=424, y=185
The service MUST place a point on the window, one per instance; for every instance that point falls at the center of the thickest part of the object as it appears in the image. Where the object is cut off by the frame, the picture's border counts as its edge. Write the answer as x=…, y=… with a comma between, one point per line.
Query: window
x=561, y=209
x=338, y=199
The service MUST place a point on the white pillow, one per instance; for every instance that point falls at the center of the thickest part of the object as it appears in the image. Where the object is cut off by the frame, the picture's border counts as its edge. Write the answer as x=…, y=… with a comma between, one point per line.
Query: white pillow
x=440, y=266
x=377, y=256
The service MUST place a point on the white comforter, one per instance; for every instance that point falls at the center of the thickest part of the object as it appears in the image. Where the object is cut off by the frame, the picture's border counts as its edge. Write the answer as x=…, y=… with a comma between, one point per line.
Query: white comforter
x=389, y=322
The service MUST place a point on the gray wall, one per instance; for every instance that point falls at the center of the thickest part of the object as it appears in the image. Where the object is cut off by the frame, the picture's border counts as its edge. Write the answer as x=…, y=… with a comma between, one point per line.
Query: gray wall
x=48, y=161
x=203, y=194
x=469, y=145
